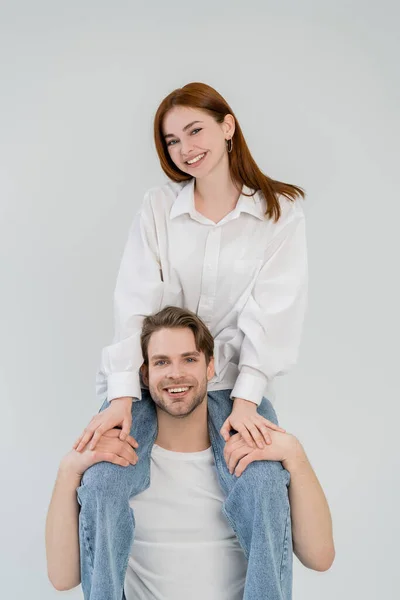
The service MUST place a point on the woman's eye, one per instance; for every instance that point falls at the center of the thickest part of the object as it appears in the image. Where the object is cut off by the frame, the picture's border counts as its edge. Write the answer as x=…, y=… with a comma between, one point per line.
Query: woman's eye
x=171, y=143
x=196, y=130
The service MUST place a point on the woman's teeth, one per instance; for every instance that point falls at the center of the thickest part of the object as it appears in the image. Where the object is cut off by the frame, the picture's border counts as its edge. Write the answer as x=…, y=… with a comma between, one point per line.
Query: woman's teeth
x=196, y=159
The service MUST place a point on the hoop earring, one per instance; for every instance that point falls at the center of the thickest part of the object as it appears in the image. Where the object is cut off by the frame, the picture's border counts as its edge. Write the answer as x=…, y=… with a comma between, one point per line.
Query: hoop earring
x=229, y=145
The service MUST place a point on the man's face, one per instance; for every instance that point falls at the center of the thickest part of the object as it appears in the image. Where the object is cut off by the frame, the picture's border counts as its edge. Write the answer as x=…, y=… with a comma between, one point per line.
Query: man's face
x=177, y=374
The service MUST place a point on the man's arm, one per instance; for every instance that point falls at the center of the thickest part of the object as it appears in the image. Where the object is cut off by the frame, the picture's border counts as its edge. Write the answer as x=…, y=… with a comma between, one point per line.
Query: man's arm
x=311, y=518
x=62, y=538
x=62, y=523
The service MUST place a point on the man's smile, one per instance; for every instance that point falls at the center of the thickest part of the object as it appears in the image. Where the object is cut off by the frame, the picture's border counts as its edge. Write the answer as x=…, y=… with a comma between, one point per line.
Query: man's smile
x=177, y=391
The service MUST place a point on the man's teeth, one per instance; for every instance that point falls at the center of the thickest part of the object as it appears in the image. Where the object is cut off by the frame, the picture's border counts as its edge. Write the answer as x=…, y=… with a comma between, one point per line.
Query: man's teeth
x=190, y=162
x=176, y=390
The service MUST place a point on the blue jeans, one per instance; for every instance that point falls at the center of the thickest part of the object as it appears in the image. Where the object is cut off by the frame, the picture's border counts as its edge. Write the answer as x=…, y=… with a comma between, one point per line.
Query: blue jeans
x=256, y=505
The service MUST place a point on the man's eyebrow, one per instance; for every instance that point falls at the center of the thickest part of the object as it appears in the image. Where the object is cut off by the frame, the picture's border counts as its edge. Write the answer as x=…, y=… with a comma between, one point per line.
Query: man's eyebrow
x=167, y=135
x=159, y=356
x=194, y=353
x=183, y=355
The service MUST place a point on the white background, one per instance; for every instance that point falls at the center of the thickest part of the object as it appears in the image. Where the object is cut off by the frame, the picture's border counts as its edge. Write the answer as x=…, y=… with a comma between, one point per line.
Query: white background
x=315, y=87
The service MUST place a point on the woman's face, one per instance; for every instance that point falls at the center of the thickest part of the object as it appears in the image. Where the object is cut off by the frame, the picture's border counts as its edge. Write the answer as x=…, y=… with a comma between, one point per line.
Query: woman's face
x=196, y=142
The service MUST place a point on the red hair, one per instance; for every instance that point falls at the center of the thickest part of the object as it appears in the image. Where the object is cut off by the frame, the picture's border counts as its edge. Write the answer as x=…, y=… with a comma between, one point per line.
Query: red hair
x=243, y=168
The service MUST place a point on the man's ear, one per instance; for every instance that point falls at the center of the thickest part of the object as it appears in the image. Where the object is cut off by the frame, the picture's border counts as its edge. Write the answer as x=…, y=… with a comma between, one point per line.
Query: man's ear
x=144, y=371
x=210, y=369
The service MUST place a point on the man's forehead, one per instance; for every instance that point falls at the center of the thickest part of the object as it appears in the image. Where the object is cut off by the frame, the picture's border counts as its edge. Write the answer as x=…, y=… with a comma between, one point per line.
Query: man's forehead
x=172, y=342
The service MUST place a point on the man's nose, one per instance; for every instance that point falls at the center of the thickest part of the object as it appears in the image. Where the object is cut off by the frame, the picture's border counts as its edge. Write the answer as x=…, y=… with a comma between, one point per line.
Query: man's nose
x=175, y=371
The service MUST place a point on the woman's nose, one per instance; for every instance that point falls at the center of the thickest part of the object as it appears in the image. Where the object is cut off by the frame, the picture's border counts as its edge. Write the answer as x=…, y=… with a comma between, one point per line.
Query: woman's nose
x=186, y=149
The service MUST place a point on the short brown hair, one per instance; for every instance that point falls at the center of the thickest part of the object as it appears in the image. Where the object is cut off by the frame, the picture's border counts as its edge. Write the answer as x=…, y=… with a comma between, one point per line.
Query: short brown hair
x=172, y=317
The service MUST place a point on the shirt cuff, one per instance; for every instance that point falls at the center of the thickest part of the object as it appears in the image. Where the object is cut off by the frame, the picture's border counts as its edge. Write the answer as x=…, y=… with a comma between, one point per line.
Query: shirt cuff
x=250, y=385
x=123, y=384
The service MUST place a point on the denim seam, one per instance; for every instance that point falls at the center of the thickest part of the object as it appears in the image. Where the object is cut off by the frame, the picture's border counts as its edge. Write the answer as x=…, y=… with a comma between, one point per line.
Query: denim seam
x=285, y=545
x=87, y=545
x=221, y=472
x=125, y=567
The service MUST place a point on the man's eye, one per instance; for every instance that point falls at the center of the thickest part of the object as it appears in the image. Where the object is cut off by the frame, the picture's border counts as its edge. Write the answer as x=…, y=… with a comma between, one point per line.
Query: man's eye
x=191, y=359
x=160, y=363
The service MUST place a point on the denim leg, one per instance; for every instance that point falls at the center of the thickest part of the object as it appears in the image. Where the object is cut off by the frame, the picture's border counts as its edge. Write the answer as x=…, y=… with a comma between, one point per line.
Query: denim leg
x=257, y=506
x=106, y=521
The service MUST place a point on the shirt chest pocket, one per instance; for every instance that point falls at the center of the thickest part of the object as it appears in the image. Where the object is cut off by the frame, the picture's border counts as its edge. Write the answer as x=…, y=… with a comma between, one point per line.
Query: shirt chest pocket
x=242, y=277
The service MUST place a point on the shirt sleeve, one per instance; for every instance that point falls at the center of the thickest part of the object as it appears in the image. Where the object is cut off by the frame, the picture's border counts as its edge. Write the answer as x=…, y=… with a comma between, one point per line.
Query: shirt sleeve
x=272, y=318
x=138, y=293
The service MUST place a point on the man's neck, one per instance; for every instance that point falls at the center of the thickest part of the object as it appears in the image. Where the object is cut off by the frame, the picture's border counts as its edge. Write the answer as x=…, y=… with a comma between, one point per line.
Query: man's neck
x=186, y=434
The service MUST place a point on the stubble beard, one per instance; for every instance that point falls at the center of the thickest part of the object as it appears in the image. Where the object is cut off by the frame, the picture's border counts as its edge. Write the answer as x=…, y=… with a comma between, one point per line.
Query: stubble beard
x=196, y=401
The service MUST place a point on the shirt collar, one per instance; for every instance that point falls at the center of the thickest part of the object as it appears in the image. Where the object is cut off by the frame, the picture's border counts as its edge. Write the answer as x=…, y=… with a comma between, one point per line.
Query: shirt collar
x=184, y=204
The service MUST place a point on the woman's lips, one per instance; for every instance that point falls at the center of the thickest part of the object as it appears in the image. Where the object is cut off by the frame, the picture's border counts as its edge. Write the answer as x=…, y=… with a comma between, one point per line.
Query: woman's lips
x=197, y=163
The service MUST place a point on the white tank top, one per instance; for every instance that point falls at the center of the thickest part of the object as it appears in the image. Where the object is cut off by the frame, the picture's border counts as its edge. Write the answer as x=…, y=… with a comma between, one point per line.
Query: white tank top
x=184, y=547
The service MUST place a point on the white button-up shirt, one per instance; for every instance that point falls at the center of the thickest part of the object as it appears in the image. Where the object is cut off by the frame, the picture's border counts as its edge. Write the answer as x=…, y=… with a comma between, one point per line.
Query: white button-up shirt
x=245, y=277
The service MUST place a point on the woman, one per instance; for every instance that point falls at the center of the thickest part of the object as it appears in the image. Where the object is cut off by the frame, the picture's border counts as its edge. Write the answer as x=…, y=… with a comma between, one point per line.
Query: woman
x=228, y=243
x=223, y=240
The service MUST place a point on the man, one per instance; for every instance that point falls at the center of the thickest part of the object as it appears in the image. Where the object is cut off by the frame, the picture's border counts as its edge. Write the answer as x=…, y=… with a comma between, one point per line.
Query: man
x=205, y=525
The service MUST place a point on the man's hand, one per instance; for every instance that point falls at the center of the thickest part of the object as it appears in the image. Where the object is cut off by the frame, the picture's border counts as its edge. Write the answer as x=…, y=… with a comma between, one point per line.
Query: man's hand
x=119, y=413
x=238, y=454
x=245, y=419
x=109, y=448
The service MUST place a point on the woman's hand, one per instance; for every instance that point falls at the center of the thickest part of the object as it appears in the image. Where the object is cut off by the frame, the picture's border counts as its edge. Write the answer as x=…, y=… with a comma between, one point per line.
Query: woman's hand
x=238, y=454
x=245, y=419
x=109, y=448
x=119, y=413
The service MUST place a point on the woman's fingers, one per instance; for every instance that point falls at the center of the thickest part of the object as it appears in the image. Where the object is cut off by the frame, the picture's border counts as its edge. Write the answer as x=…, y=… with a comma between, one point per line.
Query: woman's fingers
x=244, y=432
x=96, y=436
x=126, y=428
x=225, y=429
x=85, y=438
x=257, y=437
x=265, y=433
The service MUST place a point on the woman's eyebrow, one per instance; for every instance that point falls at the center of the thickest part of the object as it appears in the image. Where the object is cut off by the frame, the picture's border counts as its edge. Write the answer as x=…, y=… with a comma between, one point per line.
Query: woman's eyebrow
x=167, y=135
